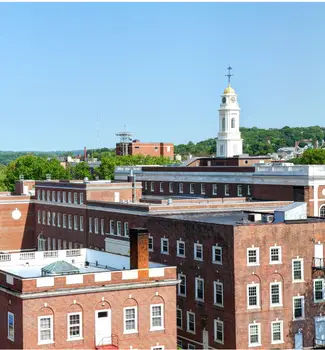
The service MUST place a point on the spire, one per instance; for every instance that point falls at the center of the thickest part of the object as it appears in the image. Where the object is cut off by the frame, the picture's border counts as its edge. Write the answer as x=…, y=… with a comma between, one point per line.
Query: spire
x=229, y=89
x=229, y=75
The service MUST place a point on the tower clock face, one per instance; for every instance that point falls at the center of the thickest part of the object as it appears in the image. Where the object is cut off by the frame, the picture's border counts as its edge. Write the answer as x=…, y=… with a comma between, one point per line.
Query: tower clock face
x=233, y=99
x=224, y=100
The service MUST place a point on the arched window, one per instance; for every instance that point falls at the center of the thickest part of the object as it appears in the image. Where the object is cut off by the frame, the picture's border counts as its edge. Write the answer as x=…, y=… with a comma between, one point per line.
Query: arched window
x=223, y=124
x=322, y=211
x=233, y=123
x=222, y=150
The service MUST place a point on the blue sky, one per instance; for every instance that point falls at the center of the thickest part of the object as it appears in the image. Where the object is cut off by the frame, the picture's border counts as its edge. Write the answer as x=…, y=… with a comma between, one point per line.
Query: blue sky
x=71, y=75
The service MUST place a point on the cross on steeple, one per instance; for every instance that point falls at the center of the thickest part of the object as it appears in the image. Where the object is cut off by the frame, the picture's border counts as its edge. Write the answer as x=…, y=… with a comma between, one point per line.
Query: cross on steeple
x=229, y=75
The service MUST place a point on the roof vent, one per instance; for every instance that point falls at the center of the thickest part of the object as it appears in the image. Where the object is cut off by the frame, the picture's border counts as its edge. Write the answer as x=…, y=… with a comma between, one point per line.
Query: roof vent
x=60, y=267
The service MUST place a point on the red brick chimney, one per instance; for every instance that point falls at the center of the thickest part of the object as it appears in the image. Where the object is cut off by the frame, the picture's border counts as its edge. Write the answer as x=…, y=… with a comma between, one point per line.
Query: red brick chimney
x=139, y=254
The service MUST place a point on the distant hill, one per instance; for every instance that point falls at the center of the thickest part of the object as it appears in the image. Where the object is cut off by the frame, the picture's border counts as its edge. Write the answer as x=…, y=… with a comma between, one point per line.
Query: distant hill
x=258, y=141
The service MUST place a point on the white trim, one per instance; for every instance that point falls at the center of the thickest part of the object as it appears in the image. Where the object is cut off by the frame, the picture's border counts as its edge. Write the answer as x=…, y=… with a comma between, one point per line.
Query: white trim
x=215, y=283
x=323, y=289
x=214, y=248
x=188, y=313
x=257, y=250
x=178, y=242
x=162, y=240
x=215, y=331
x=179, y=285
x=51, y=340
x=197, y=280
x=302, y=305
x=302, y=270
x=162, y=316
x=135, y=329
x=280, y=294
x=9, y=337
x=196, y=245
x=250, y=285
x=258, y=334
x=181, y=318
x=69, y=337
x=281, y=332
x=279, y=253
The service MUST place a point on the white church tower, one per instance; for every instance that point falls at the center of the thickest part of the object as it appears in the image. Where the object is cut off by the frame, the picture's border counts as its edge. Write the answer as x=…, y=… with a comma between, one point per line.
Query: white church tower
x=229, y=141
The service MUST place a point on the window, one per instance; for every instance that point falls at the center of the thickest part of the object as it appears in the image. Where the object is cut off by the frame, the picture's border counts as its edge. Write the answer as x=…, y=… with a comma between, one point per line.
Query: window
x=45, y=329
x=90, y=224
x=182, y=285
x=161, y=187
x=179, y=318
x=190, y=346
x=146, y=185
x=181, y=249
x=96, y=225
x=48, y=195
x=38, y=194
x=253, y=296
x=233, y=123
x=239, y=190
x=227, y=190
x=11, y=326
x=59, y=196
x=69, y=197
x=214, y=189
x=277, y=332
x=38, y=216
x=70, y=222
x=150, y=244
x=81, y=223
x=102, y=226
x=53, y=243
x=64, y=196
x=164, y=248
x=59, y=219
x=53, y=219
x=118, y=228
x=322, y=211
x=298, y=308
x=48, y=243
x=202, y=188
x=254, y=334
x=75, y=326
x=180, y=187
x=64, y=222
x=198, y=251
x=152, y=186
x=111, y=227
x=199, y=289
x=156, y=317
x=223, y=122
x=319, y=289
x=253, y=256
x=276, y=294
x=190, y=324
x=126, y=229
x=43, y=195
x=48, y=218
x=218, y=331
x=53, y=196
x=171, y=187
x=81, y=198
x=130, y=320
x=249, y=190
x=43, y=217
x=192, y=188
x=75, y=198
x=297, y=270
x=218, y=293
x=217, y=255
x=275, y=255
x=75, y=222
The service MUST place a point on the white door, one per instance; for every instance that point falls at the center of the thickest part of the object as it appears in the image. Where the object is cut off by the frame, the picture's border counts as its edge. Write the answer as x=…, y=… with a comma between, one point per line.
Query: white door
x=103, y=327
x=298, y=341
x=320, y=331
x=318, y=255
x=116, y=196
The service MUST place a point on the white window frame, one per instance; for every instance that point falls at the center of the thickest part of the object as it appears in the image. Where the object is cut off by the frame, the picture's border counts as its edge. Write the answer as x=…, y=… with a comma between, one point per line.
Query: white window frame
x=196, y=245
x=257, y=286
x=180, y=187
x=162, y=240
x=203, y=188
x=51, y=340
x=215, y=284
x=75, y=198
x=214, y=249
x=81, y=198
x=102, y=226
x=135, y=329
x=152, y=186
x=302, y=270
x=227, y=190
x=214, y=189
x=53, y=196
x=162, y=316
x=322, y=280
x=38, y=216
x=69, y=221
x=171, y=187
x=69, y=337
x=90, y=224
x=239, y=190
x=179, y=311
x=126, y=229
x=11, y=338
x=81, y=223
x=161, y=187
x=279, y=254
x=96, y=225
x=75, y=222
x=69, y=197
x=179, y=242
x=53, y=218
x=150, y=243
x=64, y=196
x=216, y=322
x=192, y=189
x=188, y=314
x=59, y=217
x=119, y=228
x=64, y=221
x=112, y=227
x=280, y=294
x=257, y=256
x=180, y=275
x=302, y=305
x=258, y=333
x=58, y=194
x=281, y=332
x=197, y=280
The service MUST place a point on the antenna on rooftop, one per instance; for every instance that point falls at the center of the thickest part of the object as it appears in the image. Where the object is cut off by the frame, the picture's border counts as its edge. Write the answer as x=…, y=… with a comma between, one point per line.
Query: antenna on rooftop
x=125, y=139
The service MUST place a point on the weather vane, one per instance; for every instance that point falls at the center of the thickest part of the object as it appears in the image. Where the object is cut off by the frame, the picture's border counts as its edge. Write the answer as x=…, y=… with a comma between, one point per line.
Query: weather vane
x=229, y=75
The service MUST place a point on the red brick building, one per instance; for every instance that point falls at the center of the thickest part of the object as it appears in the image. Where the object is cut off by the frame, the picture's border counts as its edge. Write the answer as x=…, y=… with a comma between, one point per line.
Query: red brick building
x=86, y=299
x=153, y=149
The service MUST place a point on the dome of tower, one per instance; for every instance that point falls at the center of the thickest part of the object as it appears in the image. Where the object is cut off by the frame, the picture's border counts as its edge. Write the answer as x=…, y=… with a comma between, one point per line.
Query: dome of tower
x=229, y=90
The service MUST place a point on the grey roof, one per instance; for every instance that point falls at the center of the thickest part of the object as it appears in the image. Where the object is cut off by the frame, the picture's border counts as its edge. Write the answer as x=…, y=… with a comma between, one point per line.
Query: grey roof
x=59, y=268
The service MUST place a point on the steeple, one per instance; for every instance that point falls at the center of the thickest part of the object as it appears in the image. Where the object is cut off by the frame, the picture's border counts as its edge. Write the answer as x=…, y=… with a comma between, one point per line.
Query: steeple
x=229, y=142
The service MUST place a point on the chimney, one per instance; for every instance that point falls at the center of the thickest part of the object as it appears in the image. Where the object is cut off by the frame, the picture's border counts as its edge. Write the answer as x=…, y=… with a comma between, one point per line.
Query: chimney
x=85, y=153
x=139, y=254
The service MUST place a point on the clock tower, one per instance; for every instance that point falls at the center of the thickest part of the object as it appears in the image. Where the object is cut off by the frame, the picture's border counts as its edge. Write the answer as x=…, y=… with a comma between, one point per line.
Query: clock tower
x=229, y=141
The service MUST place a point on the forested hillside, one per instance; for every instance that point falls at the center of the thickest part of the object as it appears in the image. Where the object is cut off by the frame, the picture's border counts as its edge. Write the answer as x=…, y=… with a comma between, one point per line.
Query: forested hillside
x=258, y=141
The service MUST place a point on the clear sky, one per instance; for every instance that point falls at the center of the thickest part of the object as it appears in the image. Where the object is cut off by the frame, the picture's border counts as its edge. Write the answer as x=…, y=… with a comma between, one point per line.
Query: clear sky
x=71, y=75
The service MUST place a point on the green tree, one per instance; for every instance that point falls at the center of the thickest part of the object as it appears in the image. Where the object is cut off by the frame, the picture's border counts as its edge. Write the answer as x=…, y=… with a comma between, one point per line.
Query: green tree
x=311, y=156
x=80, y=171
x=2, y=178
